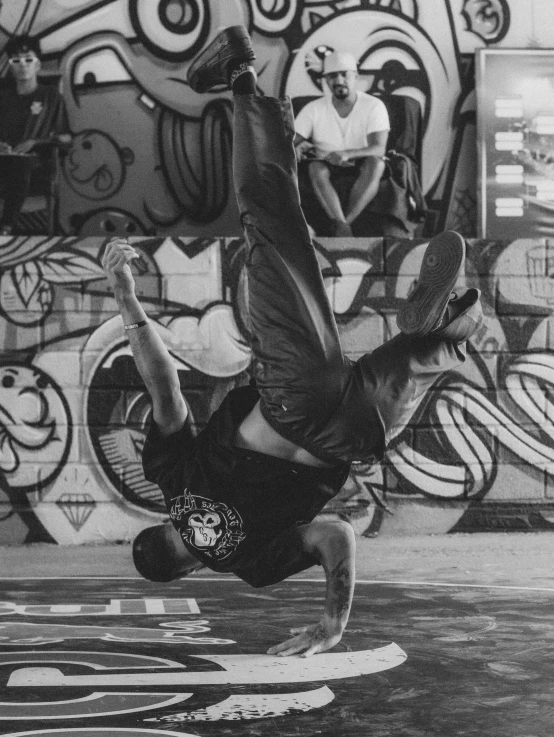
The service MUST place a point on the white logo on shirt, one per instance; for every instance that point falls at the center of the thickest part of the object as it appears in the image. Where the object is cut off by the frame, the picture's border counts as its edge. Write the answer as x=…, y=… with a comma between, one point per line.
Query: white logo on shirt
x=204, y=530
x=210, y=526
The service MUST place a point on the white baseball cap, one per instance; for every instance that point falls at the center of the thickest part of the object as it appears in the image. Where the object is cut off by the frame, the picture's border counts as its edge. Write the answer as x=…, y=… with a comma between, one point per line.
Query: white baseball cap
x=339, y=61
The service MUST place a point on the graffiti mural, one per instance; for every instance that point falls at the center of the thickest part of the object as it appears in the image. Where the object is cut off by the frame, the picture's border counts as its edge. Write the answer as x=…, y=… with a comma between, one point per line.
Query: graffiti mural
x=151, y=157
x=112, y=669
x=206, y=679
x=20, y=633
x=74, y=412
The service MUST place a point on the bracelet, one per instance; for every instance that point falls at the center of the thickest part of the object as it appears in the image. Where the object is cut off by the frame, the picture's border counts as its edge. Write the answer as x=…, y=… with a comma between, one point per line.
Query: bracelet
x=134, y=325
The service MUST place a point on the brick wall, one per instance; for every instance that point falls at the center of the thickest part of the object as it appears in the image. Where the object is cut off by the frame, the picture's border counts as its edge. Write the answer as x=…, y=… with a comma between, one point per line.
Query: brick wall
x=478, y=456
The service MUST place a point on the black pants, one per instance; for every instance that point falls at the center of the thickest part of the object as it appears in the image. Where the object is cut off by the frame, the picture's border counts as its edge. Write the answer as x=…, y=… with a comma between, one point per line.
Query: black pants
x=15, y=183
x=312, y=394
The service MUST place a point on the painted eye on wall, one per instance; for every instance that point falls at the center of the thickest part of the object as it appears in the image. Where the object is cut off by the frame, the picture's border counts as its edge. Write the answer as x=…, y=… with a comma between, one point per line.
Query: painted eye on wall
x=394, y=68
x=102, y=66
x=272, y=17
x=171, y=29
x=489, y=19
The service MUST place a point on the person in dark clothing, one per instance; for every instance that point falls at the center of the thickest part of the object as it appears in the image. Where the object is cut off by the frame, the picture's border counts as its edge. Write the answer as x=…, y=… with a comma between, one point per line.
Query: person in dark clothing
x=33, y=118
x=244, y=494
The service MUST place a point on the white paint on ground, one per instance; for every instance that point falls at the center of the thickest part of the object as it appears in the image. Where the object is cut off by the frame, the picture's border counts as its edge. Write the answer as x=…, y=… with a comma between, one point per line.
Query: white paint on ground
x=254, y=706
x=27, y=633
x=94, y=705
x=96, y=731
x=239, y=670
x=116, y=607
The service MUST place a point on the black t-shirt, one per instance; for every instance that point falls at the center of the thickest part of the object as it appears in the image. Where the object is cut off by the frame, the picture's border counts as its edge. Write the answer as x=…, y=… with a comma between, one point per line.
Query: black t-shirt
x=36, y=115
x=238, y=510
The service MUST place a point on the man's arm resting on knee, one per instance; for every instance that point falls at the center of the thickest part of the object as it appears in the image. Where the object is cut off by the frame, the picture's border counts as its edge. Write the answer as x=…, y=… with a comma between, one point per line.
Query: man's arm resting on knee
x=152, y=358
x=334, y=545
x=376, y=146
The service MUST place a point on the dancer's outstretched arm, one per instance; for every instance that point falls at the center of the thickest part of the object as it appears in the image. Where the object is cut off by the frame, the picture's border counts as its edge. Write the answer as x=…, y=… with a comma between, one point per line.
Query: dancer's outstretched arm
x=334, y=545
x=151, y=356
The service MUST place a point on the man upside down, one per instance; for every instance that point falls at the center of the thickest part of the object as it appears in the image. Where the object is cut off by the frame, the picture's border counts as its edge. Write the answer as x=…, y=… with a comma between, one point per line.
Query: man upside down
x=244, y=494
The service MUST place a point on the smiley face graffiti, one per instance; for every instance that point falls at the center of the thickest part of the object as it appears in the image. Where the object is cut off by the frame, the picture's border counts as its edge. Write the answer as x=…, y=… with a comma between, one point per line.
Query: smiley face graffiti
x=96, y=166
x=35, y=427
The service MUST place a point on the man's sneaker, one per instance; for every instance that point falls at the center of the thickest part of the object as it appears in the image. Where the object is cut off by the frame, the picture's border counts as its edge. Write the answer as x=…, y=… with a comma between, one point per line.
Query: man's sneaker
x=426, y=305
x=230, y=47
x=463, y=316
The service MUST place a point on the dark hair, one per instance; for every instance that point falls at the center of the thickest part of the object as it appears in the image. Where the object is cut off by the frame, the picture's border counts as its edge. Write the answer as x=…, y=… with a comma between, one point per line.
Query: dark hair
x=22, y=45
x=152, y=555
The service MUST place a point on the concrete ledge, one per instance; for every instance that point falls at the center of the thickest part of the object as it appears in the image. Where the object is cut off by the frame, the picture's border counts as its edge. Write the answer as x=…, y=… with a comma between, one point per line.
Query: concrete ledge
x=514, y=559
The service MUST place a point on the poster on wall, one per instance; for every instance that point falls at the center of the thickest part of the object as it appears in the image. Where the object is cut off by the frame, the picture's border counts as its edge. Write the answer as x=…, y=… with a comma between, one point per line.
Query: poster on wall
x=515, y=112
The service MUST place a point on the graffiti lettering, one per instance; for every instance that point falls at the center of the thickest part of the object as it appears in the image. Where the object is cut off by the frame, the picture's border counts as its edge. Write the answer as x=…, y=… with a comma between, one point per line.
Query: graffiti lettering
x=97, y=703
x=98, y=732
x=22, y=633
x=148, y=671
x=116, y=607
x=238, y=670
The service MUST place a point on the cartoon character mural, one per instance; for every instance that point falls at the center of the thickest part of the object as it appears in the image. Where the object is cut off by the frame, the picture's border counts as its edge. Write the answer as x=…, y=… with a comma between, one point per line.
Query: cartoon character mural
x=151, y=156
x=73, y=411
x=146, y=145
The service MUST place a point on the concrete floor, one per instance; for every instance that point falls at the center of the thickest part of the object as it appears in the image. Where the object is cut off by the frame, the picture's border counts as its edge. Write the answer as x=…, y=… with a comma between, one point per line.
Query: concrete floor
x=448, y=636
x=517, y=559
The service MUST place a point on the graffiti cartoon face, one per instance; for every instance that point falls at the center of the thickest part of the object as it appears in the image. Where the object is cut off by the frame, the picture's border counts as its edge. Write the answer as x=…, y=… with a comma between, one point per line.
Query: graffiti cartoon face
x=124, y=65
x=203, y=525
x=35, y=428
x=95, y=166
x=149, y=43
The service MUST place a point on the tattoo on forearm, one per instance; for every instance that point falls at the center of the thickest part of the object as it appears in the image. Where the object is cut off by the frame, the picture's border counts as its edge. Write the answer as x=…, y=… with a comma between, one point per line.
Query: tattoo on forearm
x=342, y=589
x=318, y=633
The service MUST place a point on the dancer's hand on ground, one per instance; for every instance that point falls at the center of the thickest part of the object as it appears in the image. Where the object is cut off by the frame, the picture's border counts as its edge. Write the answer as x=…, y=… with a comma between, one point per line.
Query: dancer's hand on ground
x=309, y=640
x=115, y=262
x=5, y=148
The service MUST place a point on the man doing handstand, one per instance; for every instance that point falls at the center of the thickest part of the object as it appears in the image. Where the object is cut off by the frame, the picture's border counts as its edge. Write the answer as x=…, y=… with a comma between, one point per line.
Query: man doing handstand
x=244, y=494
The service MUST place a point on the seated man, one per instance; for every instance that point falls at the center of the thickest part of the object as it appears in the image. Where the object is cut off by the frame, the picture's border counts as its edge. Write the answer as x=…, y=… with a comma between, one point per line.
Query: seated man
x=32, y=119
x=346, y=136
x=244, y=493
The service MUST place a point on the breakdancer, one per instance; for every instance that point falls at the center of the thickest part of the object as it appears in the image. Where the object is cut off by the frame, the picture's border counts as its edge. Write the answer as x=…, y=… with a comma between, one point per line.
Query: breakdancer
x=244, y=494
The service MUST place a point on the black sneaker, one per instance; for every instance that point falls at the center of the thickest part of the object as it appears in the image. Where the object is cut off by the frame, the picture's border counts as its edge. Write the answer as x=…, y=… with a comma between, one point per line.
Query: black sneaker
x=463, y=316
x=426, y=305
x=232, y=46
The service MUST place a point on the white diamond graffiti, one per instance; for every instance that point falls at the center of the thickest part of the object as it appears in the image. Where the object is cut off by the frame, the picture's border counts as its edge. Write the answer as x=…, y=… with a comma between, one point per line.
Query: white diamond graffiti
x=77, y=508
